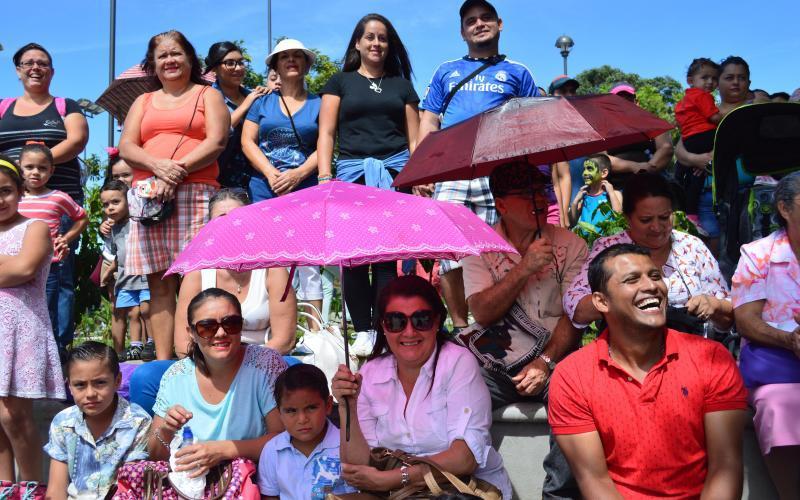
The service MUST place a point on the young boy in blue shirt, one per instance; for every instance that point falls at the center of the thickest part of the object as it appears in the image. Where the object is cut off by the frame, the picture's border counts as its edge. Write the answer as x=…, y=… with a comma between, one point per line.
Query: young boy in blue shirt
x=596, y=190
x=302, y=462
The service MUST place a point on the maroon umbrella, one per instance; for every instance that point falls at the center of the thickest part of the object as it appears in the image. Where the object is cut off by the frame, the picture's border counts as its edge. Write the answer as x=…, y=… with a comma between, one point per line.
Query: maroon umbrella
x=536, y=129
x=130, y=84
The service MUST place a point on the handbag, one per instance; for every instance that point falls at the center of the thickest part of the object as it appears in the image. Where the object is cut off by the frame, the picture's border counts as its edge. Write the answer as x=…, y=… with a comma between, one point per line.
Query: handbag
x=150, y=480
x=323, y=348
x=24, y=490
x=764, y=365
x=143, y=203
x=437, y=481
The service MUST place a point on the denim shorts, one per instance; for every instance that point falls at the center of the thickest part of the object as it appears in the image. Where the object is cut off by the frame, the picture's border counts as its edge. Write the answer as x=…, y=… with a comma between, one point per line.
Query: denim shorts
x=705, y=212
x=131, y=298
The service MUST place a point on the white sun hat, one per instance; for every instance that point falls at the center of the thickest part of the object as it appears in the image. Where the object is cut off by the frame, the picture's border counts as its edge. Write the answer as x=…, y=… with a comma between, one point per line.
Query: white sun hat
x=291, y=44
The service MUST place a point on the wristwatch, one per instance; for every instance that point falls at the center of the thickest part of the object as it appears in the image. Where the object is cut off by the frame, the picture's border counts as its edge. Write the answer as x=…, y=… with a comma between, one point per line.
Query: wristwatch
x=551, y=365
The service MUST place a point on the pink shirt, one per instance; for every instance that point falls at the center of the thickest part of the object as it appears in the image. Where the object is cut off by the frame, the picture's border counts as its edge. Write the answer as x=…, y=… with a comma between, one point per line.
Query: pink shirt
x=50, y=207
x=768, y=270
x=458, y=406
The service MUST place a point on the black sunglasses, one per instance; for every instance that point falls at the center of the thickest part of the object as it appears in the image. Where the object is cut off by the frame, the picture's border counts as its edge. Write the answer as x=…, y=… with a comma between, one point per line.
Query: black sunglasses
x=395, y=322
x=207, y=328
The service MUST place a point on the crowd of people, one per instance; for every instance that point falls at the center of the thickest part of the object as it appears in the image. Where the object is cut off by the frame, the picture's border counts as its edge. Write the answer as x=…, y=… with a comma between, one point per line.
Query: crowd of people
x=654, y=406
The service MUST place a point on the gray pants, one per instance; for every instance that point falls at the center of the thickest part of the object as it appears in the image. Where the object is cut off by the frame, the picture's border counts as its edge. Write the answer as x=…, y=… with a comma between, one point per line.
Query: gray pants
x=559, y=483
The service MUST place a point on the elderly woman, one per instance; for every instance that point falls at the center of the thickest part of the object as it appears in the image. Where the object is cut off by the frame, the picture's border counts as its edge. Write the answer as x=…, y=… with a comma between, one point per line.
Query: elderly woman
x=419, y=392
x=227, y=62
x=223, y=389
x=766, y=287
x=38, y=116
x=371, y=106
x=172, y=138
x=697, y=292
x=734, y=83
x=267, y=320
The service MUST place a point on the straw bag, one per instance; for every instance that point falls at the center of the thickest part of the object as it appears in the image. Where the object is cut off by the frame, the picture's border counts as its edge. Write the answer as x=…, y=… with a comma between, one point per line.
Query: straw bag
x=437, y=481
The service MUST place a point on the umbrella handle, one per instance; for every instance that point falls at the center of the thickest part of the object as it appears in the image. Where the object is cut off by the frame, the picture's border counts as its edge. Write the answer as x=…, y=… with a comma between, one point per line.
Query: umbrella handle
x=346, y=354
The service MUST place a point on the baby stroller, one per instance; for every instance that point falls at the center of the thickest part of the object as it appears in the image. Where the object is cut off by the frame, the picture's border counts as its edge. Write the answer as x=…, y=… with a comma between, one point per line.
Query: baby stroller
x=753, y=147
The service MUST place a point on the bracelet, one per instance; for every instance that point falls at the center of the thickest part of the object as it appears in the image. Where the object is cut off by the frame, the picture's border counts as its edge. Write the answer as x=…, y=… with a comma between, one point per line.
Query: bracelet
x=405, y=478
x=324, y=177
x=157, y=434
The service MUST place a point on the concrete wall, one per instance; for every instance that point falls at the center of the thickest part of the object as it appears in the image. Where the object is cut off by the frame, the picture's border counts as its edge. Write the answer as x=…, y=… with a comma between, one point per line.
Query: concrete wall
x=520, y=434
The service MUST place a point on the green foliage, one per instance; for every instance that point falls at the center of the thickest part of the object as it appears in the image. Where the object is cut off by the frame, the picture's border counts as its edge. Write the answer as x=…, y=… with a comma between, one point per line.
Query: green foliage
x=90, y=317
x=657, y=95
x=613, y=224
x=324, y=68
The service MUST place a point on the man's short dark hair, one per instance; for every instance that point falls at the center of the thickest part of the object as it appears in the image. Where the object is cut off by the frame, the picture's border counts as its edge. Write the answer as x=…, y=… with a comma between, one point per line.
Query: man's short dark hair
x=301, y=376
x=783, y=95
x=516, y=177
x=599, y=275
x=468, y=4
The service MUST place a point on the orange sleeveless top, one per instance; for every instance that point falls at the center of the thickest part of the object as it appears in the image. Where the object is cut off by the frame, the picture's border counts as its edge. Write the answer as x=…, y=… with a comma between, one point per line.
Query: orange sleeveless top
x=161, y=130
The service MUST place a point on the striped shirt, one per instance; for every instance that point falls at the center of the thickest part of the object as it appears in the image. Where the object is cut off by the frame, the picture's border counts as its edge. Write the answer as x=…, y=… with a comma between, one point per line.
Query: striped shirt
x=49, y=207
x=48, y=127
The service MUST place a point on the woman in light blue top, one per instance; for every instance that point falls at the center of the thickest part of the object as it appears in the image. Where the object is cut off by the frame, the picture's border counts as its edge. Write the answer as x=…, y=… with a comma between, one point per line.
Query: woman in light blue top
x=223, y=389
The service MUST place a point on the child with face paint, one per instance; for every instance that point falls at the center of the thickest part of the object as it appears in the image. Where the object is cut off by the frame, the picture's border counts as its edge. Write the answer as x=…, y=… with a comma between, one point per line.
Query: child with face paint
x=596, y=190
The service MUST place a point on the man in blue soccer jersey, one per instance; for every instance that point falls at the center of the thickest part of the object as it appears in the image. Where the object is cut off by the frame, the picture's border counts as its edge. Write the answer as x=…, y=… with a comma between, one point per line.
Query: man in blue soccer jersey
x=452, y=97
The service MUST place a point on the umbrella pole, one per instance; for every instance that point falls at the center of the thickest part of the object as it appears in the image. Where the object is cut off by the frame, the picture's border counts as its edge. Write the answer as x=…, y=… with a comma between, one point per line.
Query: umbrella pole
x=346, y=353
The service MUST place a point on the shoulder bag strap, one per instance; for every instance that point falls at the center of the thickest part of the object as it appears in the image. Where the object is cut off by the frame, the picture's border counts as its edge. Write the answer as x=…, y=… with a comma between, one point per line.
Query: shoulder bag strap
x=5, y=104
x=291, y=120
x=490, y=62
x=189, y=126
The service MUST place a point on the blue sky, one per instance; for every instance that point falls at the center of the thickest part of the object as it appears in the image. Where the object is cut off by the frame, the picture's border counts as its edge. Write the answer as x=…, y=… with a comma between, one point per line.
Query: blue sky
x=649, y=38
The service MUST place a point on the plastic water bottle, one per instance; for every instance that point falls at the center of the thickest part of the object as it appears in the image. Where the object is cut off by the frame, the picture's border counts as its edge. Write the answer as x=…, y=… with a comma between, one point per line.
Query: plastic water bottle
x=192, y=487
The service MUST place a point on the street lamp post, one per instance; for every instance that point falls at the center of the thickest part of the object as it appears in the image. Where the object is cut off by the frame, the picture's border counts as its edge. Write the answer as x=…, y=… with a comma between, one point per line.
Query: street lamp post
x=564, y=43
x=112, y=38
x=269, y=26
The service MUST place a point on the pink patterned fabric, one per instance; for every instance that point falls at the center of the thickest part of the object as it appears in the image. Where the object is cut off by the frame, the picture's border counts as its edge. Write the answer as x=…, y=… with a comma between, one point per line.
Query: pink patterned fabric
x=131, y=481
x=29, y=365
x=338, y=223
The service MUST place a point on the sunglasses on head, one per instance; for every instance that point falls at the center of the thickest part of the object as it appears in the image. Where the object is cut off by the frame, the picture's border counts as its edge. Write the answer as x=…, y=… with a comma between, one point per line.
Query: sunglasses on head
x=208, y=328
x=395, y=322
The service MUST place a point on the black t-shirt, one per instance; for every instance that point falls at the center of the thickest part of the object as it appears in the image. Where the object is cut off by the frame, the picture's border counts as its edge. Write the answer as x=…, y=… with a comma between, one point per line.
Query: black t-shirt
x=371, y=124
x=48, y=127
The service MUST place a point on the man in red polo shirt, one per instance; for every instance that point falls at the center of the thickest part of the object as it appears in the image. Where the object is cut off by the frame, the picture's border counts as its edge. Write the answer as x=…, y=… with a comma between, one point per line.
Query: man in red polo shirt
x=645, y=411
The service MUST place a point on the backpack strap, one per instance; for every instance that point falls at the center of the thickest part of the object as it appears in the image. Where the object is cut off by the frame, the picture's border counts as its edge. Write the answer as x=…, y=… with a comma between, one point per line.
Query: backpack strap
x=5, y=104
x=489, y=62
x=61, y=106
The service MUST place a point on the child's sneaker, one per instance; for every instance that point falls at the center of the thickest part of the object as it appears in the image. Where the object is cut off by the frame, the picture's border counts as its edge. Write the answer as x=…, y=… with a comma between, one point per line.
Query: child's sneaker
x=148, y=352
x=133, y=353
x=364, y=343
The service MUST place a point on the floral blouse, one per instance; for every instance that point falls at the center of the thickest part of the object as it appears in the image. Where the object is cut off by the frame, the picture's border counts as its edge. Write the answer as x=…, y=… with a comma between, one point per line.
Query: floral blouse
x=690, y=270
x=93, y=464
x=768, y=270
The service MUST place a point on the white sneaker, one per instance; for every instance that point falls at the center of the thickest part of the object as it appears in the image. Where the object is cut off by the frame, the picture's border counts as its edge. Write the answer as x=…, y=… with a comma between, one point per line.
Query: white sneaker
x=364, y=343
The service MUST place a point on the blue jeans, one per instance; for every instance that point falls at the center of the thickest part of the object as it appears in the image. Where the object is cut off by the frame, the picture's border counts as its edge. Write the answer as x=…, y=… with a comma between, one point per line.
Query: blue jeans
x=705, y=212
x=60, y=291
x=259, y=189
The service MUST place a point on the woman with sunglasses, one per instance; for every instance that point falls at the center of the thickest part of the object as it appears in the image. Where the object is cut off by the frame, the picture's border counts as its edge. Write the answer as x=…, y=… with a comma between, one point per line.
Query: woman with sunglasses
x=227, y=62
x=418, y=392
x=223, y=389
x=267, y=320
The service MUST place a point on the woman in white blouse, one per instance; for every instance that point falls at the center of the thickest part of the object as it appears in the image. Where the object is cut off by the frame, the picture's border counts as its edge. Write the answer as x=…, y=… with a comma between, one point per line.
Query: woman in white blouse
x=418, y=392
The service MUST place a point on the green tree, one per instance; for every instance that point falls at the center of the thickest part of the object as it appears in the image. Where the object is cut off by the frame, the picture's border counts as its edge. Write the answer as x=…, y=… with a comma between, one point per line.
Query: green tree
x=657, y=95
x=92, y=311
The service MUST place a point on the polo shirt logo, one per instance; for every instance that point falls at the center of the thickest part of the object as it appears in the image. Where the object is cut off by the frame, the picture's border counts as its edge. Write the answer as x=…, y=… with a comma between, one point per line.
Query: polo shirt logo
x=685, y=391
